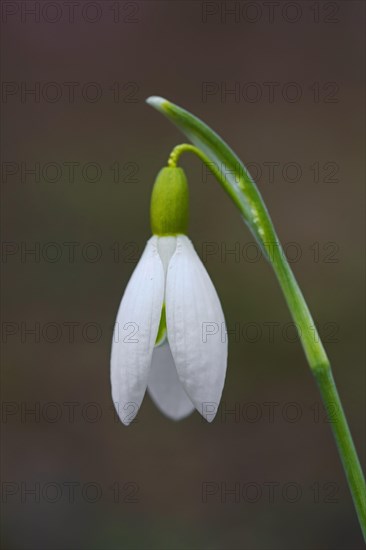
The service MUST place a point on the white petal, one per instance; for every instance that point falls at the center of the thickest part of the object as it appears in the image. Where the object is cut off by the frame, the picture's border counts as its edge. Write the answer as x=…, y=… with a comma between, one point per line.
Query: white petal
x=135, y=333
x=196, y=329
x=166, y=248
x=165, y=387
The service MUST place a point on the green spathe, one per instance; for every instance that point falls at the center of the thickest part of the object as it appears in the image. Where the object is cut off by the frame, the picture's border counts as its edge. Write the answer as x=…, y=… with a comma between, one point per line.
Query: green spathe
x=169, y=203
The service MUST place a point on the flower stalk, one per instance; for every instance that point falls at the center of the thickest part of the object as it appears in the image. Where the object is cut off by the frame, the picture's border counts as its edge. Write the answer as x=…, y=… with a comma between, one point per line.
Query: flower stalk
x=263, y=229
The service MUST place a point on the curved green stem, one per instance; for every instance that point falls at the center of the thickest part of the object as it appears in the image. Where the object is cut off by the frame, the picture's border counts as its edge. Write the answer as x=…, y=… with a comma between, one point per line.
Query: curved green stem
x=186, y=147
x=310, y=339
x=272, y=248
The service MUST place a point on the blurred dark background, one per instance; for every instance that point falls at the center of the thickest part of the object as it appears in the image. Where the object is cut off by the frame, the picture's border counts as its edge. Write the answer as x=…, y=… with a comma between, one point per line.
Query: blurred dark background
x=74, y=228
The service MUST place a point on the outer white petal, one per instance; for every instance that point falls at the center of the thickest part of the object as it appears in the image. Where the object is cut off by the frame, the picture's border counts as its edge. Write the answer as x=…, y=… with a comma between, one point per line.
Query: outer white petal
x=165, y=387
x=135, y=333
x=196, y=329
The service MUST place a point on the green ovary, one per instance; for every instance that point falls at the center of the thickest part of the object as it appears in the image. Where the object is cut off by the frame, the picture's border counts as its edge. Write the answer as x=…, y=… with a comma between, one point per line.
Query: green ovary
x=169, y=203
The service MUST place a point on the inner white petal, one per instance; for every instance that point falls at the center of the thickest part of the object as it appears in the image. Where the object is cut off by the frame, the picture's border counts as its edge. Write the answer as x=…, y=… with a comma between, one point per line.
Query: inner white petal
x=165, y=387
x=166, y=249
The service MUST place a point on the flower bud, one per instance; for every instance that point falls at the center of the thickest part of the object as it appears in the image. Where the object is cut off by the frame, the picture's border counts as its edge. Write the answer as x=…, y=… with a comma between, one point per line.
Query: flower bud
x=169, y=203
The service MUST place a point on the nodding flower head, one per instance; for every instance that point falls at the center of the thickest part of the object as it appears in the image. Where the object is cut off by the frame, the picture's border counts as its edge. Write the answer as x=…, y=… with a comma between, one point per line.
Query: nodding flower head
x=171, y=301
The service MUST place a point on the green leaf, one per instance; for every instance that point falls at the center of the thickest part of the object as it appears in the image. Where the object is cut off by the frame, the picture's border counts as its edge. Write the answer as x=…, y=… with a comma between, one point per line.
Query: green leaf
x=236, y=181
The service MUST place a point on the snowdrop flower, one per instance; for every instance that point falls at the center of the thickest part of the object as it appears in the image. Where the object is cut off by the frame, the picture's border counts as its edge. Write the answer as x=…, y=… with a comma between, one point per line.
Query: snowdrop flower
x=179, y=348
